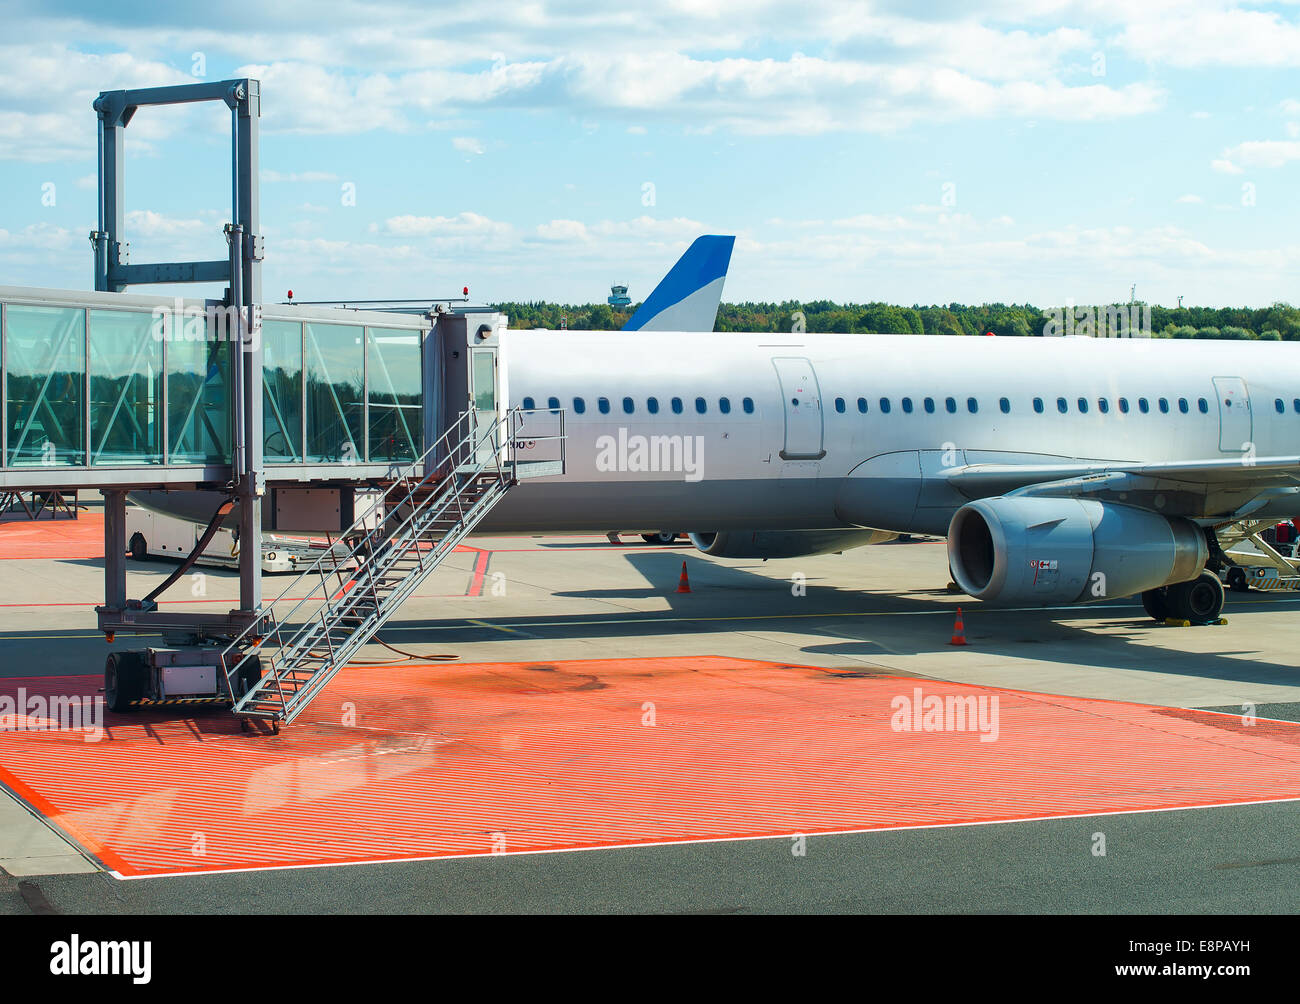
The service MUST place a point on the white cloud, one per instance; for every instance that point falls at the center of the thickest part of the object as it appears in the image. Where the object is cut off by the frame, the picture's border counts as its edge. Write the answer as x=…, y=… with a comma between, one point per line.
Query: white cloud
x=47, y=89
x=467, y=144
x=1212, y=35
x=562, y=230
x=1224, y=166
x=1264, y=153
x=1190, y=199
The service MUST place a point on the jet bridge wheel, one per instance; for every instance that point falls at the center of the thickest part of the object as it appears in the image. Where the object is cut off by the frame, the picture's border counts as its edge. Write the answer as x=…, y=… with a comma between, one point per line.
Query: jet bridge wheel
x=1199, y=601
x=126, y=678
x=1237, y=580
x=139, y=547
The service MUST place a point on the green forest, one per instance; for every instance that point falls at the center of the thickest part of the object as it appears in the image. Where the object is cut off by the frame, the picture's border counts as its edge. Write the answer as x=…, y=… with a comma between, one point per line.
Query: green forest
x=1281, y=321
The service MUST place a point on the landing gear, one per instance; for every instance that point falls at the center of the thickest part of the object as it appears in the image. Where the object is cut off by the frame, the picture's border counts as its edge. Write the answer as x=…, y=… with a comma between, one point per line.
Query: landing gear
x=1199, y=601
x=1237, y=580
x=662, y=537
x=1156, y=603
x=126, y=678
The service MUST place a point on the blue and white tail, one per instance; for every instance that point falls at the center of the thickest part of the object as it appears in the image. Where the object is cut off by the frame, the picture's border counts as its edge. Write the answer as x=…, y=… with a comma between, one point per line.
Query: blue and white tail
x=688, y=297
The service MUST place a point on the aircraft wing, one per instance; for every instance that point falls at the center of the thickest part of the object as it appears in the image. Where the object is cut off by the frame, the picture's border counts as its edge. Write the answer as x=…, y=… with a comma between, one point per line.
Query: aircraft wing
x=1218, y=489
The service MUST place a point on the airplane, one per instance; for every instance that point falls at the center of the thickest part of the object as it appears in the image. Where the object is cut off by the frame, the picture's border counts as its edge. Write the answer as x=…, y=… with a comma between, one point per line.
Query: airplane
x=1062, y=470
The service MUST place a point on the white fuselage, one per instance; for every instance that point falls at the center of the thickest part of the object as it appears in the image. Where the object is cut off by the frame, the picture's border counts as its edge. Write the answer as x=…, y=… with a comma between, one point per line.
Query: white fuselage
x=830, y=461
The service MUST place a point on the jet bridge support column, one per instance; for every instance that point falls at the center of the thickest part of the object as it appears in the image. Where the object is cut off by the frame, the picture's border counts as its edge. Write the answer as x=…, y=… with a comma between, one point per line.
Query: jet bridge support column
x=115, y=549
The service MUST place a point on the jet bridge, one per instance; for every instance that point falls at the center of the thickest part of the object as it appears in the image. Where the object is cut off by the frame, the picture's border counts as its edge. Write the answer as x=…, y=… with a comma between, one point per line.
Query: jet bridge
x=285, y=414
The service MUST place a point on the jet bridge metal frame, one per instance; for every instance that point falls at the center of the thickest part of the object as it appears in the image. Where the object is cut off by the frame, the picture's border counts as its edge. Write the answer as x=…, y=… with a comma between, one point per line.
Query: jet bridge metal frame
x=242, y=271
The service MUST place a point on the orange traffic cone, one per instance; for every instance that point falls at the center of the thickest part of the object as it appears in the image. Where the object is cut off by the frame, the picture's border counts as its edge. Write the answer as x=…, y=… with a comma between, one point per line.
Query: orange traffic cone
x=683, y=584
x=958, y=631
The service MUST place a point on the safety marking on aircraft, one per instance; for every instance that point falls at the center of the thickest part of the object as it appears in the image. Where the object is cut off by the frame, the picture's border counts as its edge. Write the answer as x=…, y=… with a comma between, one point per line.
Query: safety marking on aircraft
x=457, y=760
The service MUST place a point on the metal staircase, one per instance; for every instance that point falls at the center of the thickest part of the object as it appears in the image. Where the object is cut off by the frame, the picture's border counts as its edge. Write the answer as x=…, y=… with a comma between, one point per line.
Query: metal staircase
x=430, y=507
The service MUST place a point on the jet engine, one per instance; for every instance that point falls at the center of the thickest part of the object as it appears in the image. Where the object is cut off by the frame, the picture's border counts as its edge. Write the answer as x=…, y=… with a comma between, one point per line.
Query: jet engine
x=784, y=543
x=1047, y=551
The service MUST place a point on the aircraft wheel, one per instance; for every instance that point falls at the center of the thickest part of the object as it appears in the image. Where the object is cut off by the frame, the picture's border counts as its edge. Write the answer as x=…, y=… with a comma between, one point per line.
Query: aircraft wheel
x=1237, y=580
x=1156, y=603
x=139, y=547
x=126, y=676
x=662, y=537
x=1199, y=601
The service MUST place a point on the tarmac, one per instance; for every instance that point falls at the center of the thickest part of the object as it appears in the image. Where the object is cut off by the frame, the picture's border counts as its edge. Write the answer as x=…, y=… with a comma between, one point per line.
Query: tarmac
x=773, y=775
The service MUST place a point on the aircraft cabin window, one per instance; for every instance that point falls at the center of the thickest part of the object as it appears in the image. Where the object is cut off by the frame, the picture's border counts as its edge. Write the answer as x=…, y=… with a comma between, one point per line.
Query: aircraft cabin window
x=701, y=406
x=951, y=404
x=724, y=405
x=929, y=406
x=1038, y=405
x=1203, y=405
x=748, y=405
x=602, y=403
x=1297, y=406
x=1123, y=405
x=629, y=406
x=862, y=406
x=553, y=403
x=677, y=406
x=579, y=406
x=1103, y=405
x=1143, y=406
x=972, y=405
x=1005, y=405
x=1164, y=406
x=530, y=404
x=1061, y=405
x=1280, y=405
x=1083, y=406
x=652, y=405
x=884, y=405
x=839, y=405
x=907, y=405
x=1182, y=405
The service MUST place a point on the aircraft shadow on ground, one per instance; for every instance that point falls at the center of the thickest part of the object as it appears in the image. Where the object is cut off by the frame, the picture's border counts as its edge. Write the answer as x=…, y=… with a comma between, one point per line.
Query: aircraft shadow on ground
x=725, y=597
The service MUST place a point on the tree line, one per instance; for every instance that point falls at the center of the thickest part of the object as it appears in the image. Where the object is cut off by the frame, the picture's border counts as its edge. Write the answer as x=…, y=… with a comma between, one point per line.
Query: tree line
x=1280, y=321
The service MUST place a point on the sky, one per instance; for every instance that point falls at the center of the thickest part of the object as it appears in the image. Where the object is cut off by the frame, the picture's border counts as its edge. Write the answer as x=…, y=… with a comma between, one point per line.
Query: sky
x=1045, y=151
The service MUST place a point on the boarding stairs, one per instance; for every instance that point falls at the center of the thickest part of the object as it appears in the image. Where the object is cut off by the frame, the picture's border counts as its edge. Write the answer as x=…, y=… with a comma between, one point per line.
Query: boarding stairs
x=299, y=642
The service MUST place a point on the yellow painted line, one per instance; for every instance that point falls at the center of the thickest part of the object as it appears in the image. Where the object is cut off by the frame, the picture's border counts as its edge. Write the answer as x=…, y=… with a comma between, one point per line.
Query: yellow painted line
x=498, y=627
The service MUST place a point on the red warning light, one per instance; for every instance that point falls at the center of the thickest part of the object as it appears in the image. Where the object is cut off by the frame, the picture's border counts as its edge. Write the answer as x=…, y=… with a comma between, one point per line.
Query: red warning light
x=465, y=291
x=989, y=334
x=291, y=294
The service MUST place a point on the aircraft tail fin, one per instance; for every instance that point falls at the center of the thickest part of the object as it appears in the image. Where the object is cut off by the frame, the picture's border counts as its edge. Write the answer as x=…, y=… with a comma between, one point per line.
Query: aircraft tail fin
x=687, y=299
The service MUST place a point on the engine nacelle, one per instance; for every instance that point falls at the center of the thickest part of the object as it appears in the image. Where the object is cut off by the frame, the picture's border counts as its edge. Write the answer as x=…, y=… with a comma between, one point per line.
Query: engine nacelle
x=784, y=543
x=1048, y=551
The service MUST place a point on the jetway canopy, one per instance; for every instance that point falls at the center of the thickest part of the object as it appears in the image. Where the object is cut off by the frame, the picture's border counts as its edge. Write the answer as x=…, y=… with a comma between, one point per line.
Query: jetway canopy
x=123, y=390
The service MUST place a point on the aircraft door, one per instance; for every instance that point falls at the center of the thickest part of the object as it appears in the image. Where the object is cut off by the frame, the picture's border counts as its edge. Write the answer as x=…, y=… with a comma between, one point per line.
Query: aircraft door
x=802, y=407
x=484, y=394
x=1236, y=425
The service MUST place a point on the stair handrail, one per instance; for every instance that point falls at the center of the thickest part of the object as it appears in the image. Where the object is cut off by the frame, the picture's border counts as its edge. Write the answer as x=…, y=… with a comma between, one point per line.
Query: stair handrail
x=431, y=470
